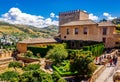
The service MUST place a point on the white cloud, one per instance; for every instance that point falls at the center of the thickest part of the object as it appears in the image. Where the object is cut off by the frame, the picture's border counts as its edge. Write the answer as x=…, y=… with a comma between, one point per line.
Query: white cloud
x=92, y=17
x=108, y=16
x=16, y=16
x=57, y=16
x=52, y=15
x=84, y=11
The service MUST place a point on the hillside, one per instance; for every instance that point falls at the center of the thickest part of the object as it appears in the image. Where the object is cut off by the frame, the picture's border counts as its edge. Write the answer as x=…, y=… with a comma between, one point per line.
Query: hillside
x=27, y=31
x=117, y=22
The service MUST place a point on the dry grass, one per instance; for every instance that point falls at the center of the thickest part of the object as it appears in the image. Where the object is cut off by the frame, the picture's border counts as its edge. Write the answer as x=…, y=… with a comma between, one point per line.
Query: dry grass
x=9, y=29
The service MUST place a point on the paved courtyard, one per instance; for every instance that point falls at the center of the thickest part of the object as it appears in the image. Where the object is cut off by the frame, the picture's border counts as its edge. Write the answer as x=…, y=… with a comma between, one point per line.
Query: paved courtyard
x=107, y=74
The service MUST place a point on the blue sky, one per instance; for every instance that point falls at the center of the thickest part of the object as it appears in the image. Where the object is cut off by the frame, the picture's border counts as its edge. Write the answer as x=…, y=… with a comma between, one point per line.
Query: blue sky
x=47, y=10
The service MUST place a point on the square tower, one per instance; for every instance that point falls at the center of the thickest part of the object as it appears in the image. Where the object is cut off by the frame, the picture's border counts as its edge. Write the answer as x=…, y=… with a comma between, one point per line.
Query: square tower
x=76, y=15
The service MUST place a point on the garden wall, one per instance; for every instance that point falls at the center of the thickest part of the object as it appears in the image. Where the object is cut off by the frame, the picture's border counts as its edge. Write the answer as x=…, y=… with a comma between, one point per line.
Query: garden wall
x=26, y=60
x=97, y=73
x=4, y=62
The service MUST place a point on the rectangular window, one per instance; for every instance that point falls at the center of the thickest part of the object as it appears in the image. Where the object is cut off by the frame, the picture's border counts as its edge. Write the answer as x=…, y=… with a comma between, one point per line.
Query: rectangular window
x=104, y=31
x=104, y=40
x=67, y=31
x=72, y=44
x=85, y=30
x=76, y=30
x=116, y=42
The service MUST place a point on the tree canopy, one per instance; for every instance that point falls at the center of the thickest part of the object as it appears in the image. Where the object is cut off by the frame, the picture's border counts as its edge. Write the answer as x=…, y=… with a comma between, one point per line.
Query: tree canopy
x=31, y=67
x=9, y=76
x=58, y=53
x=14, y=64
x=83, y=63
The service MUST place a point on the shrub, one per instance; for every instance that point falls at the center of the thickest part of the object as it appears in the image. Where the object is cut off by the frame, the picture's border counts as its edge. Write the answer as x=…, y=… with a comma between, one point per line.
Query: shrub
x=31, y=67
x=57, y=54
x=29, y=53
x=96, y=49
x=9, y=75
x=72, y=53
x=63, y=72
x=83, y=63
x=41, y=50
x=14, y=64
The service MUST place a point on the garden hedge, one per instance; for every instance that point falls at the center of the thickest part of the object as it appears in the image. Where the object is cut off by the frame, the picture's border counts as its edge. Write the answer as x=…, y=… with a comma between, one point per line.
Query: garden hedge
x=41, y=50
x=96, y=49
x=64, y=73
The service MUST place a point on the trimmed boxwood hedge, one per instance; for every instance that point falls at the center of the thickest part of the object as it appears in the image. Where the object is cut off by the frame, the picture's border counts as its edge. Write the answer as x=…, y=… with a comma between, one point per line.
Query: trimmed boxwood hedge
x=41, y=50
x=64, y=73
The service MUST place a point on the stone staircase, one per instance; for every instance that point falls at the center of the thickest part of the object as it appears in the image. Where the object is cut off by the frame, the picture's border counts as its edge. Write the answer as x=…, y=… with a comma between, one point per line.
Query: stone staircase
x=4, y=62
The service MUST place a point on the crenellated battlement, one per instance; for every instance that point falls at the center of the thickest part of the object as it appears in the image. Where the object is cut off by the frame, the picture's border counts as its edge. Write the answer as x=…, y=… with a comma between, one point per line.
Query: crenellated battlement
x=68, y=12
x=74, y=15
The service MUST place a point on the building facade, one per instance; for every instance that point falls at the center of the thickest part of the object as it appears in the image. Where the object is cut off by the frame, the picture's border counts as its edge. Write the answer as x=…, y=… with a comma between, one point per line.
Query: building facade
x=38, y=42
x=76, y=25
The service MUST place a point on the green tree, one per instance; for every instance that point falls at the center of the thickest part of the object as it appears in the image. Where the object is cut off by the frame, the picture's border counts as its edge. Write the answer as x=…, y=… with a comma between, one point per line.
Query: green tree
x=83, y=63
x=58, y=53
x=9, y=76
x=14, y=64
x=35, y=76
x=28, y=77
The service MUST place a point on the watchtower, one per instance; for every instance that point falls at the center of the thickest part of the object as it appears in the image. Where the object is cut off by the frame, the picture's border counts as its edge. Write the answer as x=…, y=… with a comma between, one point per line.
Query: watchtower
x=75, y=15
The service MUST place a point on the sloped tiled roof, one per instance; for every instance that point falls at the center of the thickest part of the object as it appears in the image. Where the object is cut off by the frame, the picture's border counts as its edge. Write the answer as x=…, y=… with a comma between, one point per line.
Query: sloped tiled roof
x=106, y=23
x=38, y=40
x=80, y=22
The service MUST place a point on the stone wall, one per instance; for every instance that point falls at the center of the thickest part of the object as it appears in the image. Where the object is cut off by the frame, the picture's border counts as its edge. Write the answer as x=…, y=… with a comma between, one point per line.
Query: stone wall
x=97, y=73
x=5, y=54
x=65, y=17
x=26, y=60
x=95, y=33
x=4, y=62
x=22, y=47
x=92, y=34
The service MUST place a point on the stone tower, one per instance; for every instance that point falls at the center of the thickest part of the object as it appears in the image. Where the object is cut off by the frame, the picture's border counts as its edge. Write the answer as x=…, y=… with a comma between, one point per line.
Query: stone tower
x=65, y=17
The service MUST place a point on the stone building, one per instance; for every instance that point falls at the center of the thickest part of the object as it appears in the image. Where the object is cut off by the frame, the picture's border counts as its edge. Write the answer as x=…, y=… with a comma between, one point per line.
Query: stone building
x=75, y=15
x=38, y=42
x=76, y=25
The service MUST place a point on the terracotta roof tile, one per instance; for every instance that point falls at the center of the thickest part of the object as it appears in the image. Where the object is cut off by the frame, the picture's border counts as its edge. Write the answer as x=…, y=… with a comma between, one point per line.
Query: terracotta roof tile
x=39, y=40
x=80, y=22
x=106, y=23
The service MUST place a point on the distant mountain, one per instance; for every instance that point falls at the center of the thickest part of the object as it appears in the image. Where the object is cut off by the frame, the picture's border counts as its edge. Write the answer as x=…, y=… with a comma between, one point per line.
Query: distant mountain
x=28, y=31
x=117, y=22
x=51, y=30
